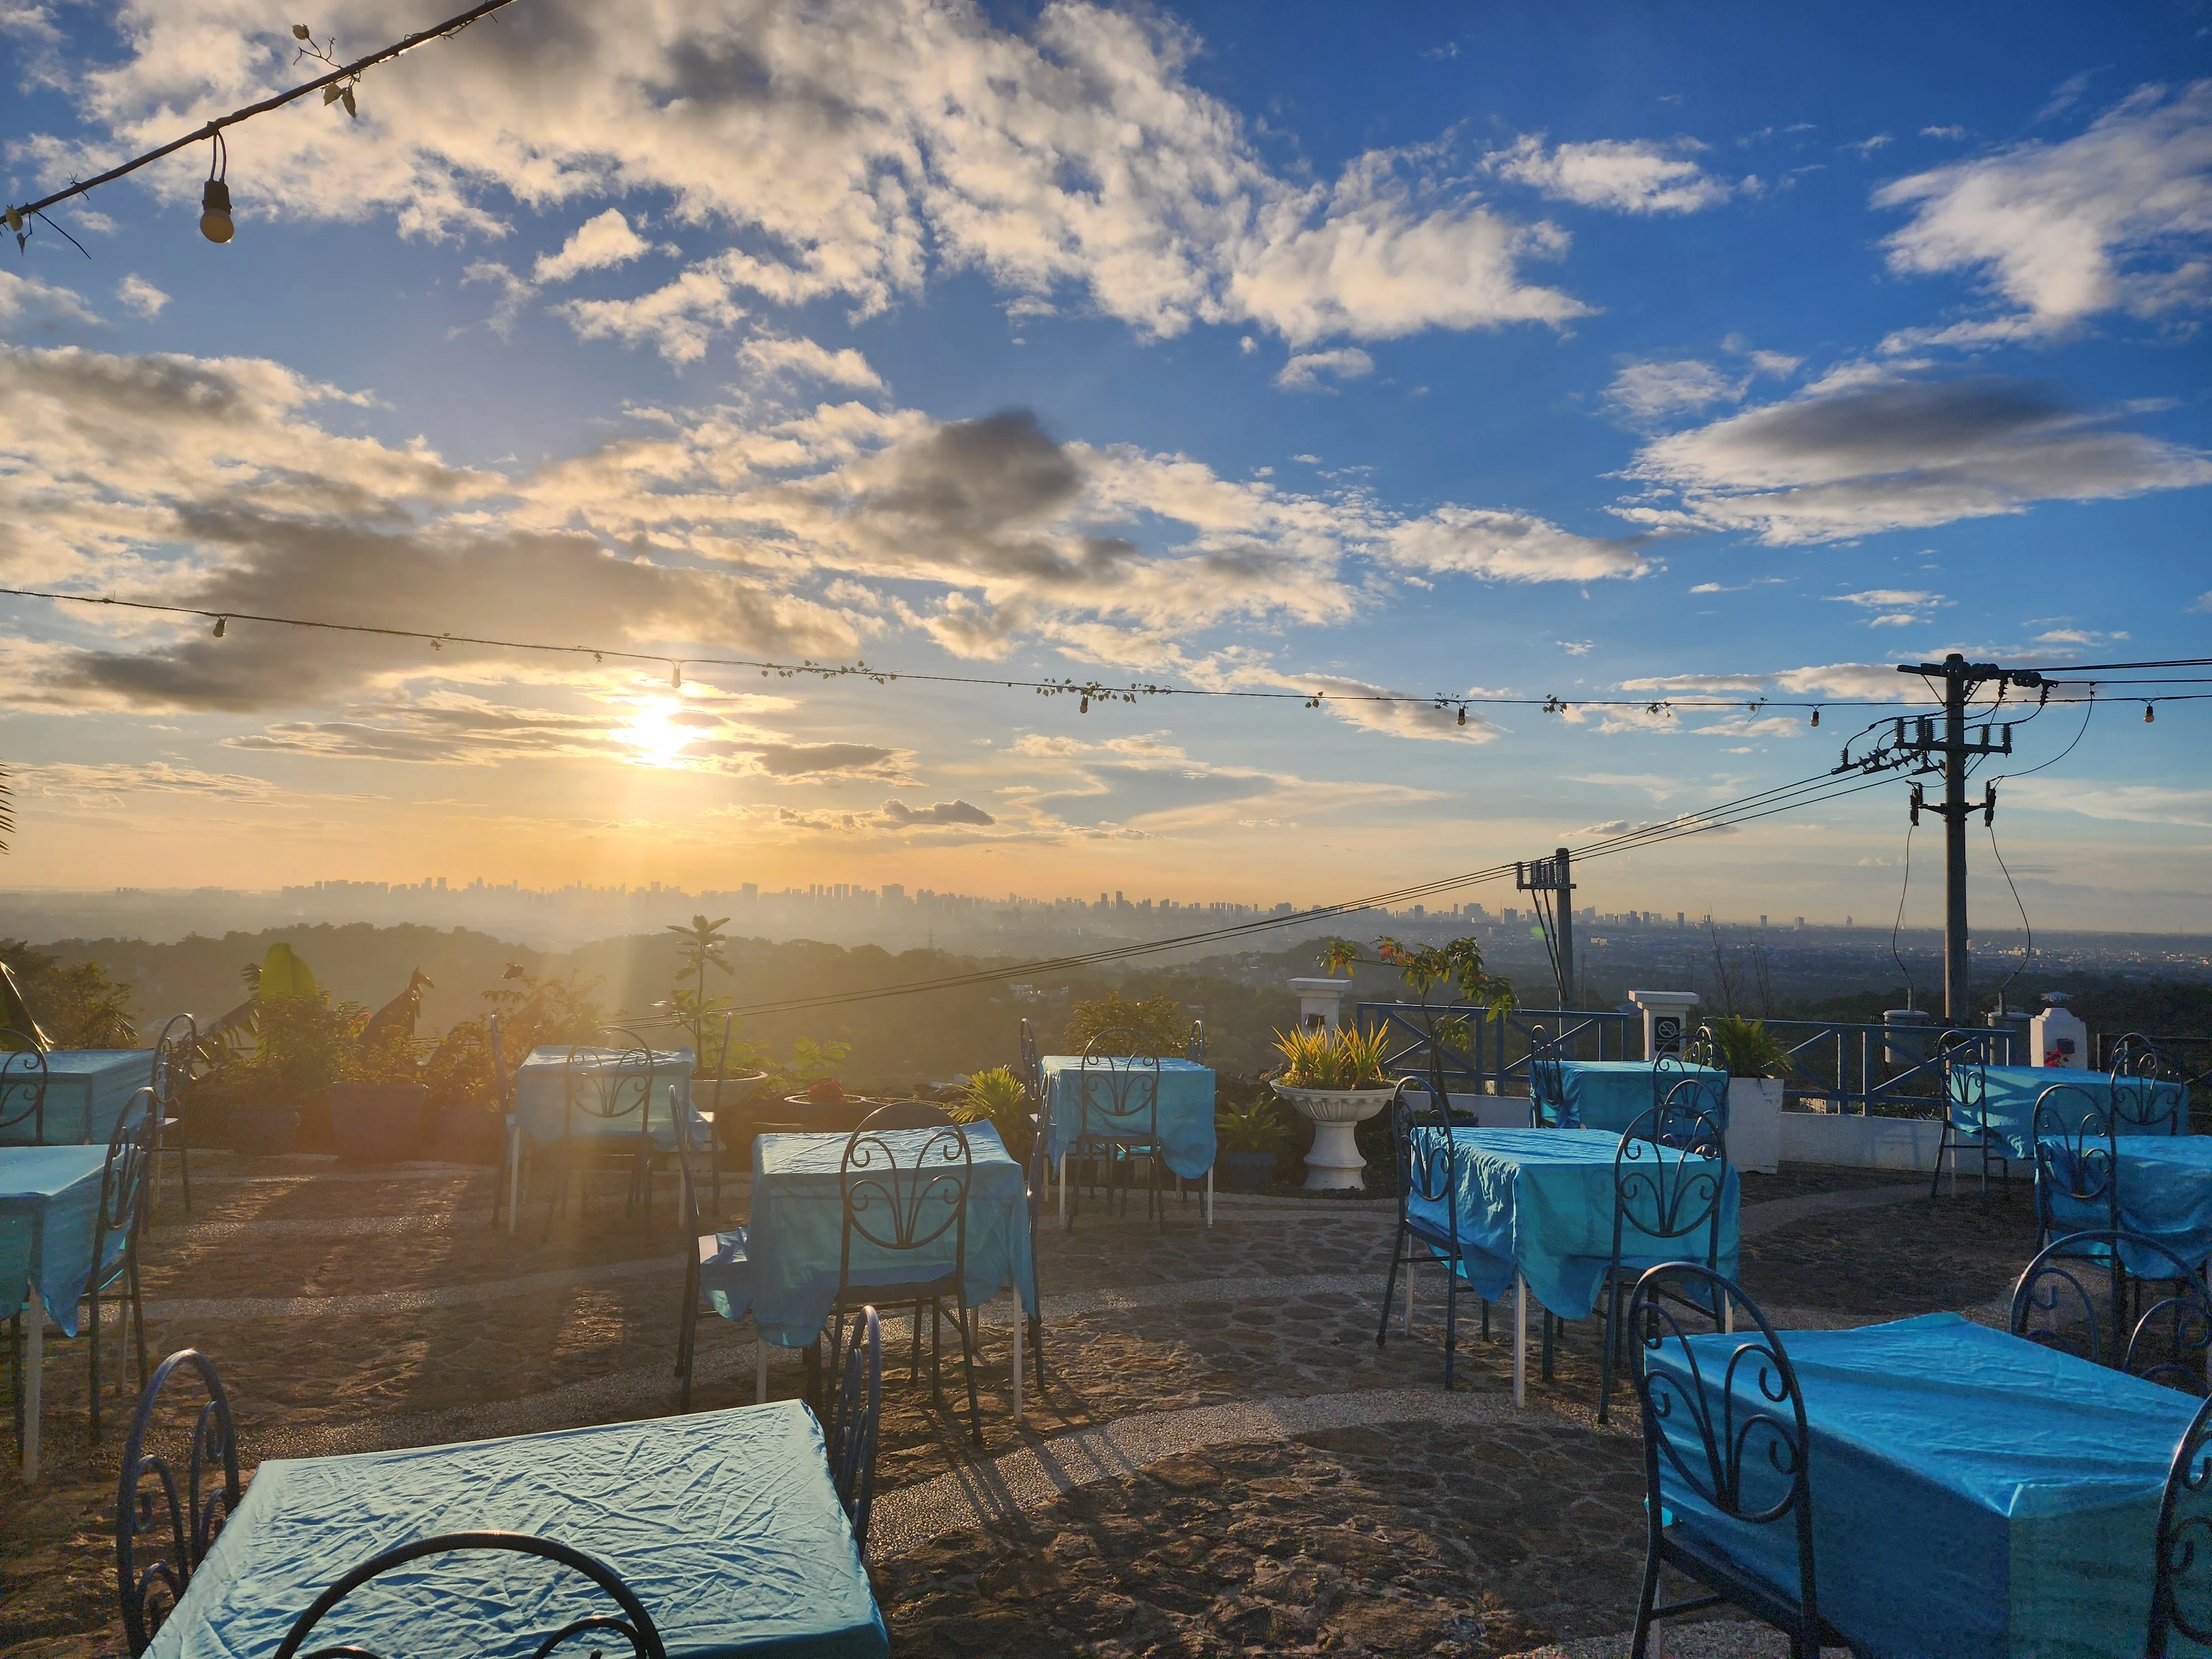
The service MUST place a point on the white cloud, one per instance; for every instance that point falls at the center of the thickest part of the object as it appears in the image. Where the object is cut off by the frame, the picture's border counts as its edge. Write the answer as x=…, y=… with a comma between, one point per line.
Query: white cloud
x=1866, y=147
x=139, y=296
x=2115, y=218
x=27, y=300
x=1867, y=449
x=1878, y=682
x=2202, y=605
x=598, y=244
x=943, y=812
x=1952, y=132
x=2137, y=803
x=1507, y=546
x=1887, y=599
x=849, y=153
x=1628, y=175
x=806, y=360
x=1303, y=372
x=513, y=293
x=1647, y=392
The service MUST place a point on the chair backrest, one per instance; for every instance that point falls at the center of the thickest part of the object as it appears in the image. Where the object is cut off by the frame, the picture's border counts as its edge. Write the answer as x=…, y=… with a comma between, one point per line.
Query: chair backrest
x=176, y=1051
x=1723, y=1417
x=2146, y=1091
x=2181, y=1582
x=2057, y=1303
x=1121, y=1084
x=909, y=1115
x=1032, y=1066
x=122, y=1185
x=161, y=1533
x=1421, y=1131
x=1547, y=1079
x=631, y=1620
x=2075, y=1156
x=904, y=1204
x=609, y=1076
x=1670, y=1172
x=1701, y=1050
x=1965, y=1060
x=23, y=1091
x=854, y=1419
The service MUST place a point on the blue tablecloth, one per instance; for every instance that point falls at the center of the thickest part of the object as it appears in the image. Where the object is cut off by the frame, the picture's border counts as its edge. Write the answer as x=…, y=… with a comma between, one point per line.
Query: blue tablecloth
x=1974, y=1495
x=2011, y=1092
x=86, y=1090
x=1612, y=1094
x=541, y=1085
x=724, y=1523
x=797, y=1225
x=48, y=1209
x=2164, y=1183
x=1540, y=1201
x=1186, y=1109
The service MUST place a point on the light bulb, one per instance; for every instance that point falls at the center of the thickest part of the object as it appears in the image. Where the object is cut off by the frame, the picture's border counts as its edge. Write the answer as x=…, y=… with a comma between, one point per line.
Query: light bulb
x=1816, y=717
x=221, y=622
x=215, y=211
x=2149, y=714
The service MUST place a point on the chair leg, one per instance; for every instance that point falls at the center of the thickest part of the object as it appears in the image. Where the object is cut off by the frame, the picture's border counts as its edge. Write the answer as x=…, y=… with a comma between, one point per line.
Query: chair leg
x=686, y=1317
x=1611, y=1344
x=94, y=1345
x=1550, y=1328
x=1648, y=1598
x=913, y=1360
x=139, y=1323
x=968, y=1364
x=1390, y=1289
x=1037, y=1346
x=184, y=1166
x=936, y=1350
x=1942, y=1145
x=1451, y=1319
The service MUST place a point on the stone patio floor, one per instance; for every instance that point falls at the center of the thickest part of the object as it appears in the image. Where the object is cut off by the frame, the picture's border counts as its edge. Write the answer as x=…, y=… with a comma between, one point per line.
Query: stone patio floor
x=1223, y=1461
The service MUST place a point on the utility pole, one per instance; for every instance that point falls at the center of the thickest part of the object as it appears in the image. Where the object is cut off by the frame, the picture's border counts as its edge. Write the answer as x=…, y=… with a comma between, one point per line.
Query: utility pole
x=1960, y=680
x=1548, y=878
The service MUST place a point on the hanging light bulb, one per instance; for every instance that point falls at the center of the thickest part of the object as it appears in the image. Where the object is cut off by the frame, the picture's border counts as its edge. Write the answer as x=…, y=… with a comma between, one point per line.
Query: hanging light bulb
x=676, y=675
x=1816, y=719
x=221, y=622
x=2149, y=714
x=1086, y=707
x=1463, y=714
x=215, y=196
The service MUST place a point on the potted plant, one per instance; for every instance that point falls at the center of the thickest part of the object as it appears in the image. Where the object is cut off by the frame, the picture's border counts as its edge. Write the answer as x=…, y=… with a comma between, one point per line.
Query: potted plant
x=996, y=1098
x=1250, y=1137
x=301, y=1041
x=1756, y=1063
x=379, y=1102
x=1334, y=1077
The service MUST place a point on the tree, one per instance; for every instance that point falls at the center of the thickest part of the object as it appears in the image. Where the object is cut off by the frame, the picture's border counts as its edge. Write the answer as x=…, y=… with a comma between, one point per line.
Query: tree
x=1456, y=966
x=702, y=949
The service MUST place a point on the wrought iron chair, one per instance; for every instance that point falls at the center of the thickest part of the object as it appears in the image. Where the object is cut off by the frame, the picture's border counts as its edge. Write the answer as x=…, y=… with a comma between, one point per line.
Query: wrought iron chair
x=1724, y=1423
x=595, y=1092
x=2169, y=1342
x=908, y=1207
x=631, y=1622
x=161, y=1534
x=717, y=1266
x=2148, y=1091
x=176, y=1052
x=2181, y=1580
x=1548, y=1082
x=1689, y=1062
x=1421, y=1132
x=2076, y=1160
x=23, y=1091
x=851, y=1437
x=1118, y=1107
x=1965, y=1063
x=1194, y=1048
x=123, y=1189
x=1670, y=1174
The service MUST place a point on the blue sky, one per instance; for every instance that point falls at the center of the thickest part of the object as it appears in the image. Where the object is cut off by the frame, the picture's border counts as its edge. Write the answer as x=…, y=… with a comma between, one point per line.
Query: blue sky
x=1589, y=352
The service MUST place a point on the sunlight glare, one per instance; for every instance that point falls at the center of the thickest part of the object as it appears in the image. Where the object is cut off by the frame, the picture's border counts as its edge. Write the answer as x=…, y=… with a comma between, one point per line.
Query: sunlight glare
x=657, y=738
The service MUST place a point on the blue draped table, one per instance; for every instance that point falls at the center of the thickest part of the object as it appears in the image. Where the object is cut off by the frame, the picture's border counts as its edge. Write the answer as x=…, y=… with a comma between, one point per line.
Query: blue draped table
x=1974, y=1495
x=2165, y=1186
x=49, y=1211
x=724, y=1523
x=1185, y=1103
x=1612, y=1094
x=541, y=1093
x=86, y=1090
x=2010, y=1093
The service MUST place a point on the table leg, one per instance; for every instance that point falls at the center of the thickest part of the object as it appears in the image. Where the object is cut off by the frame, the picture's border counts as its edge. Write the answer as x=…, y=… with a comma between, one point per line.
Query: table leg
x=760, y=1372
x=1520, y=1341
x=35, y=1367
x=514, y=1173
x=1019, y=1322
x=1063, y=1189
x=1209, y=1194
x=1409, y=1295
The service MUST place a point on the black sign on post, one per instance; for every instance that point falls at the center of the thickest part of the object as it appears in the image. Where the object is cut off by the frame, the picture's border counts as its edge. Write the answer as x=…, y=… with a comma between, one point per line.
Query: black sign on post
x=1666, y=1035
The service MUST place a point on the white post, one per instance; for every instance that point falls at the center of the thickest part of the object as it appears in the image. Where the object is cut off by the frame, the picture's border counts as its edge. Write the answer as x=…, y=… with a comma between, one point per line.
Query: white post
x=1321, y=1002
x=1667, y=1015
x=1520, y=1341
x=34, y=1357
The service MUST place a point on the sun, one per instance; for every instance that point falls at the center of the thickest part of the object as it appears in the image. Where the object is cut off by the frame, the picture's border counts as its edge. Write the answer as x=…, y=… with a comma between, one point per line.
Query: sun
x=654, y=734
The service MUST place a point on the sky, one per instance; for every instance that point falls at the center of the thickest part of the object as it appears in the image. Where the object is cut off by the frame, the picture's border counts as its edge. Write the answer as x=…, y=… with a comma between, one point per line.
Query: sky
x=1518, y=351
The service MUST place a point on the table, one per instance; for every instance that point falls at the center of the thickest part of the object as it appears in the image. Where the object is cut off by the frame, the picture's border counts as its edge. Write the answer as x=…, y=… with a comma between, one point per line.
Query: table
x=1186, y=1105
x=2166, y=1194
x=49, y=1211
x=1612, y=1094
x=541, y=1115
x=797, y=1223
x=1974, y=1495
x=86, y=1090
x=724, y=1523
x=1535, y=1215
x=2011, y=1092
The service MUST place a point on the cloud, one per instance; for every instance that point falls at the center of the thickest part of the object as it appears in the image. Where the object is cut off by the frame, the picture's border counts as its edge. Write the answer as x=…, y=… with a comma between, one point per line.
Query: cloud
x=1646, y=391
x=27, y=300
x=1506, y=546
x=1865, y=149
x=1862, y=681
x=1953, y=132
x=1868, y=450
x=140, y=297
x=1610, y=827
x=1629, y=176
x=1418, y=721
x=513, y=293
x=2202, y=604
x=2137, y=803
x=944, y=811
x=2114, y=219
x=1303, y=372
x=794, y=760
x=599, y=243
x=804, y=359
x=851, y=153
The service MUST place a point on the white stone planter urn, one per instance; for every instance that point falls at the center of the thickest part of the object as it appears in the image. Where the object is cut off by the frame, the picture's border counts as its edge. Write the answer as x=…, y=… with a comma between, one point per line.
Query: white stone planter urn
x=1754, y=1129
x=1334, y=1163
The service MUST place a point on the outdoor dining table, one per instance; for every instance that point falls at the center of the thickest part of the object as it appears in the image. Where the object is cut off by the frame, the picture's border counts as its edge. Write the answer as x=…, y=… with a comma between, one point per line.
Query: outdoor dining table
x=1974, y=1494
x=49, y=1211
x=2164, y=1183
x=2009, y=1094
x=1186, y=1106
x=796, y=1231
x=541, y=1115
x=1612, y=1094
x=1535, y=1218
x=86, y=1090
x=724, y=1523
